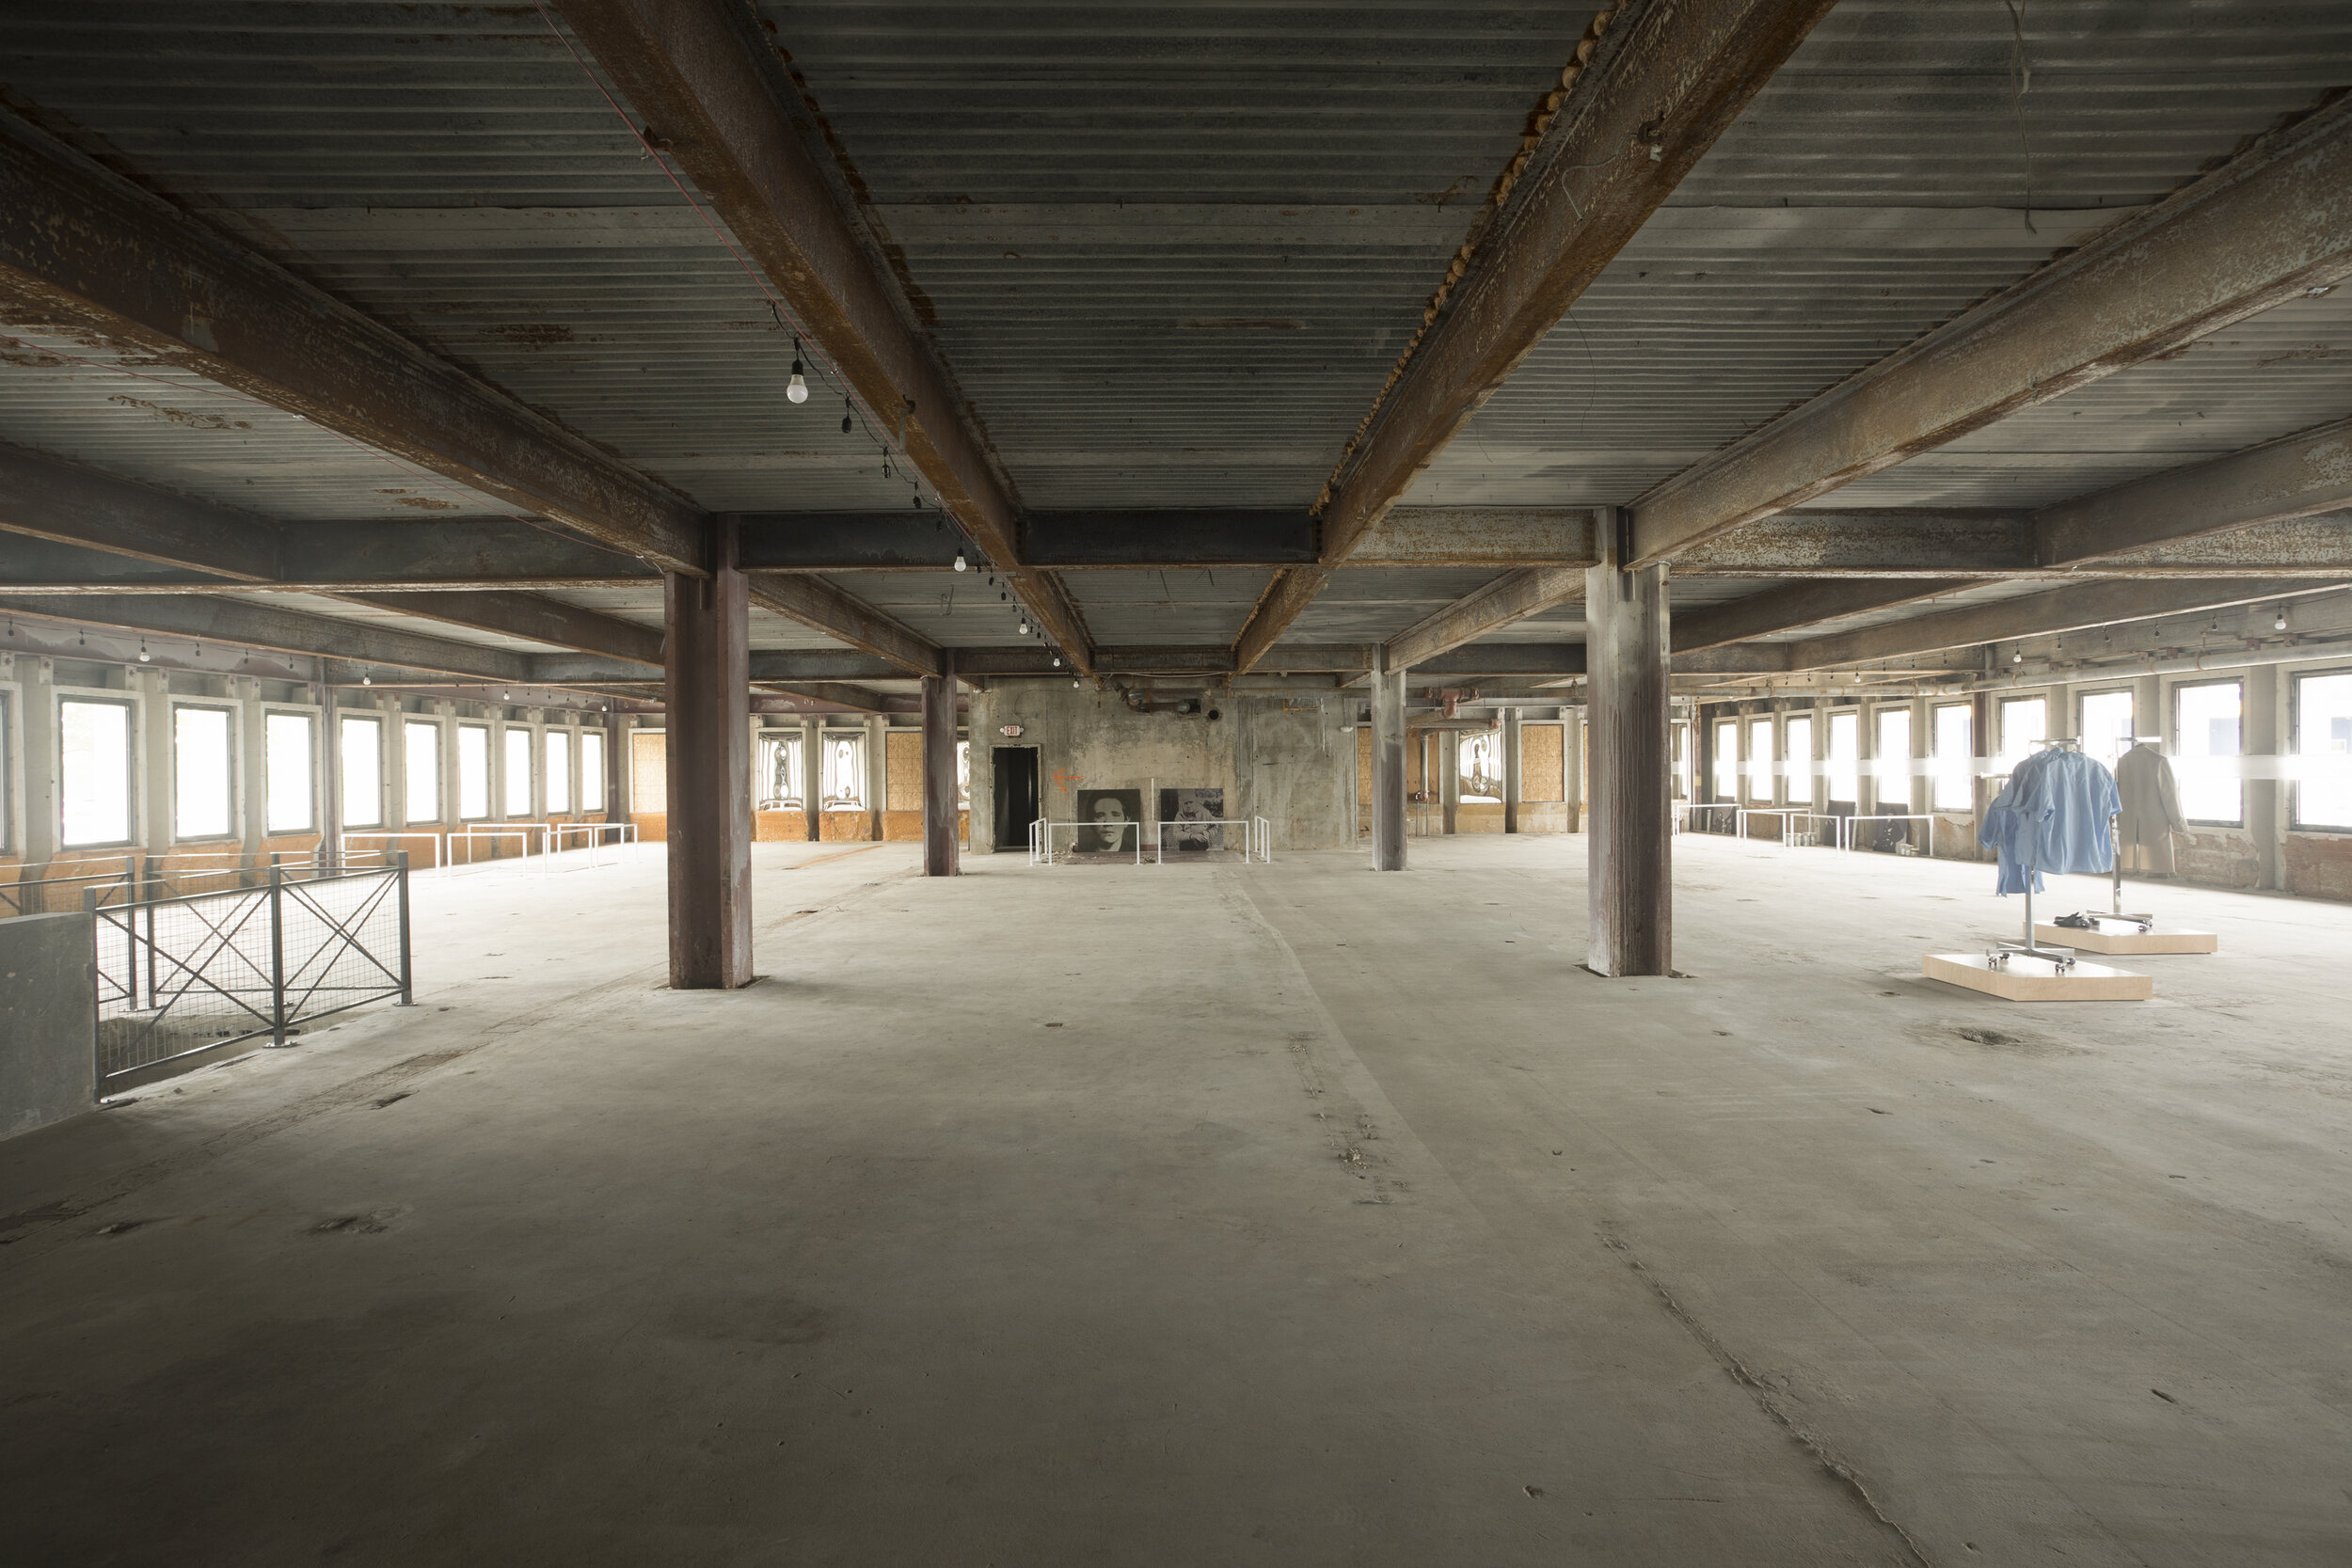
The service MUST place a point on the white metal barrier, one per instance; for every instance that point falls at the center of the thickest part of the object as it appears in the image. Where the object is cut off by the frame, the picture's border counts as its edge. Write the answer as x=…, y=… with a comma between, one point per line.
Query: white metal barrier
x=1256, y=837
x=594, y=832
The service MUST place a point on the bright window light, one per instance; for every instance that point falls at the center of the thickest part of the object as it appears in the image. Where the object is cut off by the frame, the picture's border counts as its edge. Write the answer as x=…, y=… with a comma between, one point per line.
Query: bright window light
x=1845, y=758
x=2107, y=725
x=1890, y=762
x=1759, y=759
x=1482, y=768
x=517, y=771
x=363, y=772
x=559, y=771
x=1727, y=760
x=2208, y=719
x=2323, y=734
x=845, y=771
x=1799, y=768
x=2024, y=722
x=473, y=772
x=94, y=773
x=421, y=763
x=199, y=774
x=290, y=771
x=779, y=783
x=1955, y=788
x=591, y=771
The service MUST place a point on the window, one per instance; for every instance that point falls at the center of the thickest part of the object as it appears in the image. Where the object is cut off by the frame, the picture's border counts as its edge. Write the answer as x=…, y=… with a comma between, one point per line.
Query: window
x=1759, y=759
x=2106, y=726
x=289, y=769
x=1799, y=768
x=1890, y=760
x=2024, y=722
x=2323, y=736
x=845, y=772
x=964, y=773
x=1482, y=768
x=1955, y=773
x=200, y=804
x=1845, y=758
x=591, y=771
x=93, y=772
x=517, y=771
x=1685, y=762
x=473, y=772
x=2208, y=718
x=1726, y=760
x=420, y=764
x=363, y=772
x=779, y=788
x=559, y=770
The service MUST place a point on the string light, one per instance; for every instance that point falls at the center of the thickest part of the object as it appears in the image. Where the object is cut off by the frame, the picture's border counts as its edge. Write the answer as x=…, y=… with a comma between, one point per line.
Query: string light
x=797, y=388
x=1025, y=625
x=962, y=565
x=143, y=657
x=846, y=411
x=2279, y=623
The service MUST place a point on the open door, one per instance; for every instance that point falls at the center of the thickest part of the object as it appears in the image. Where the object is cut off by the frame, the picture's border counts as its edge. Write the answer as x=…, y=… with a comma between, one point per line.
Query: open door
x=1013, y=774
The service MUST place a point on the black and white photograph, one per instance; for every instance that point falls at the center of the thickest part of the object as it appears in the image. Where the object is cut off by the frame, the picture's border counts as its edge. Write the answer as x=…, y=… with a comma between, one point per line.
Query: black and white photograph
x=1109, y=821
x=1188, y=820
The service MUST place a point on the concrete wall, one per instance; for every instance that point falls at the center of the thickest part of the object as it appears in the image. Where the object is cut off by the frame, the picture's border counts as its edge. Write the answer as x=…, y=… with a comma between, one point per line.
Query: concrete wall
x=48, y=1020
x=1285, y=758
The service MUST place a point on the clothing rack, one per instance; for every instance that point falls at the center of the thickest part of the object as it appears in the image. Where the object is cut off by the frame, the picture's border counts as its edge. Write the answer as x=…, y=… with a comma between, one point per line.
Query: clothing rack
x=2061, y=959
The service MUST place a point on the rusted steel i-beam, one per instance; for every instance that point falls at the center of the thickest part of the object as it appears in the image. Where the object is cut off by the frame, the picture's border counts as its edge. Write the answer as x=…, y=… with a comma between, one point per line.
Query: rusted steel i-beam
x=2273, y=225
x=1640, y=106
x=698, y=72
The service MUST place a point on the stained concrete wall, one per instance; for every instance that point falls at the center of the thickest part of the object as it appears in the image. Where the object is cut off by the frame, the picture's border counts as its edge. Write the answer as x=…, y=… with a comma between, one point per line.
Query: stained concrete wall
x=48, y=1020
x=1281, y=758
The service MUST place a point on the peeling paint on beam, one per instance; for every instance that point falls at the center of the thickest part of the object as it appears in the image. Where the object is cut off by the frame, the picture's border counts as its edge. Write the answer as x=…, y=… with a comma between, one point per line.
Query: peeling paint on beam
x=2270, y=226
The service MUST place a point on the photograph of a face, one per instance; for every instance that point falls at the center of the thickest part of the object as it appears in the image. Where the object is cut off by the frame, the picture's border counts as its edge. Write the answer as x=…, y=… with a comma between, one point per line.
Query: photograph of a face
x=1113, y=820
x=1189, y=818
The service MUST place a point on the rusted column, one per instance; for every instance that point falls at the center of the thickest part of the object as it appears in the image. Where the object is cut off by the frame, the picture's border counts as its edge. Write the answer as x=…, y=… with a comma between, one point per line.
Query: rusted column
x=1630, y=880
x=1981, y=790
x=1510, y=770
x=1387, y=770
x=707, y=671
x=877, y=774
x=813, y=775
x=939, y=770
x=1450, y=780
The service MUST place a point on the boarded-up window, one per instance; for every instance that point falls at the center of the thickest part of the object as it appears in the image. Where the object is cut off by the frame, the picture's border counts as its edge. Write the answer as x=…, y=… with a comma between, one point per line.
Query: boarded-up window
x=903, y=771
x=1540, y=775
x=1363, y=764
x=648, y=773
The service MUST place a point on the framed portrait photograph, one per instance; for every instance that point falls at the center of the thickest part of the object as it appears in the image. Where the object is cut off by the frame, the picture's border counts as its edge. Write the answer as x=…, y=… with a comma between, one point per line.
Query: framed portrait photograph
x=1111, y=820
x=1188, y=819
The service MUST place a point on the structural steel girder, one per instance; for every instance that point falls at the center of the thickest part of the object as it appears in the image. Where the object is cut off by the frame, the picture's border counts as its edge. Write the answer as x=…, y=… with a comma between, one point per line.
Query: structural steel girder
x=1662, y=83
x=243, y=623
x=2269, y=227
x=706, y=84
x=2293, y=477
x=81, y=247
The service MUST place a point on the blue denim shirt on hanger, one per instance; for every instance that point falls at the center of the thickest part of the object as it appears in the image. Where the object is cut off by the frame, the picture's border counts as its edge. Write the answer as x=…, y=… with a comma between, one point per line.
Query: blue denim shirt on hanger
x=2052, y=816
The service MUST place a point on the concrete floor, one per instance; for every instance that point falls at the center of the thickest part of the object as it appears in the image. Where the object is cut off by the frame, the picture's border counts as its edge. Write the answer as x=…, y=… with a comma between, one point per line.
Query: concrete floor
x=1286, y=1215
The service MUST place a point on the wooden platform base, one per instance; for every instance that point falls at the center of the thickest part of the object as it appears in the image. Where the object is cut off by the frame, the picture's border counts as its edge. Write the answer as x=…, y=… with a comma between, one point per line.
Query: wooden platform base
x=2037, y=979
x=2124, y=936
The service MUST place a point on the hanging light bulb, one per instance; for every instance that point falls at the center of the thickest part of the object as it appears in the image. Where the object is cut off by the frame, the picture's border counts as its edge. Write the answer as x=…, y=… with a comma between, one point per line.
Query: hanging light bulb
x=1025, y=626
x=845, y=416
x=797, y=388
x=366, y=679
x=1057, y=661
x=2018, y=657
x=1074, y=686
x=962, y=565
x=142, y=650
x=2280, y=623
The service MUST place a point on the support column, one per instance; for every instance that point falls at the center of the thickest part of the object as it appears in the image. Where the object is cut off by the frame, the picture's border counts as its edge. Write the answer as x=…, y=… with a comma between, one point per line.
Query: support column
x=707, y=671
x=940, y=858
x=813, y=774
x=1510, y=770
x=1388, y=768
x=2265, y=734
x=1630, y=878
x=1980, y=791
x=877, y=774
x=1450, y=779
x=331, y=855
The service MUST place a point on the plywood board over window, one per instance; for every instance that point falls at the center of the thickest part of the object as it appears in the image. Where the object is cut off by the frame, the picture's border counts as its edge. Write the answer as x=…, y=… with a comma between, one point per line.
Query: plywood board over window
x=1541, y=775
x=904, y=773
x=648, y=773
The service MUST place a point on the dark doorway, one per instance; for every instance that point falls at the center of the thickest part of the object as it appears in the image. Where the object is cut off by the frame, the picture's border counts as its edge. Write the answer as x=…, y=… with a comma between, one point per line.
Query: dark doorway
x=1013, y=774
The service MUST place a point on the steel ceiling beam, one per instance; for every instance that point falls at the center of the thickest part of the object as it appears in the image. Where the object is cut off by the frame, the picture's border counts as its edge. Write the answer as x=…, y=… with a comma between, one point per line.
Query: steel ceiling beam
x=82, y=248
x=711, y=89
x=2271, y=226
x=241, y=622
x=2295, y=477
x=2055, y=611
x=1657, y=87
x=1800, y=604
x=1510, y=598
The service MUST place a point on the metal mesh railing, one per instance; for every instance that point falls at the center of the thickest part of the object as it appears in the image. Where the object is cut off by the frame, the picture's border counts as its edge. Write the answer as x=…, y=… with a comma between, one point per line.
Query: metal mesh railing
x=181, y=977
x=58, y=894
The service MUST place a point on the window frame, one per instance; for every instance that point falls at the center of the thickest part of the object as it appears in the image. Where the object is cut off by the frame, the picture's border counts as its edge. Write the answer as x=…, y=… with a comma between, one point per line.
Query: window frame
x=409, y=724
x=1965, y=773
x=2082, y=722
x=2002, y=707
x=508, y=733
x=11, y=832
x=312, y=725
x=490, y=771
x=343, y=773
x=2180, y=688
x=589, y=734
x=1791, y=774
x=1762, y=767
x=1829, y=758
x=552, y=738
x=228, y=712
x=2294, y=733
x=1904, y=778
x=1726, y=761
x=132, y=708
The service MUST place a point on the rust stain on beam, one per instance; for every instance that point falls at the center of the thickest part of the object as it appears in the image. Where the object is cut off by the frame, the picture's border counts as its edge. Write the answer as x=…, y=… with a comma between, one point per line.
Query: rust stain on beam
x=693, y=70
x=2269, y=227
x=82, y=249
